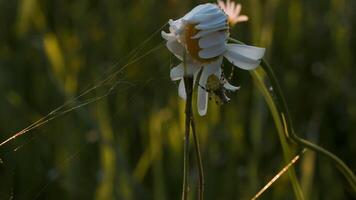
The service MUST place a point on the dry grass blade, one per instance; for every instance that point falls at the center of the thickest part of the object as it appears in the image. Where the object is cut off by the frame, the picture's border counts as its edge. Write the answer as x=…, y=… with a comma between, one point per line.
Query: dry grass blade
x=278, y=175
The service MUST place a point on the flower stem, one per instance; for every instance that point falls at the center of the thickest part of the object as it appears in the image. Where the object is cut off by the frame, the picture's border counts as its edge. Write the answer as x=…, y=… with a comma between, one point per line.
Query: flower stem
x=345, y=170
x=199, y=161
x=259, y=77
x=287, y=148
x=188, y=82
x=290, y=133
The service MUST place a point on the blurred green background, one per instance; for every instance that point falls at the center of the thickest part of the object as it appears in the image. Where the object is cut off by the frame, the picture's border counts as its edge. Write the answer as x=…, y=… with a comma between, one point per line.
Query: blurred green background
x=129, y=144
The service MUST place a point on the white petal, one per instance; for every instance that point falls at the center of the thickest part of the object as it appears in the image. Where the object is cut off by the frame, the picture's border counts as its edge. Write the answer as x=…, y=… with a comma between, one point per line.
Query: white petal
x=218, y=72
x=212, y=67
x=243, y=56
x=202, y=93
x=227, y=98
x=252, y=52
x=181, y=90
x=198, y=18
x=207, y=8
x=219, y=21
x=200, y=9
x=168, y=36
x=212, y=39
x=176, y=26
x=241, y=61
x=208, y=31
x=196, y=74
x=181, y=87
x=178, y=71
x=230, y=87
x=176, y=48
x=202, y=101
x=213, y=51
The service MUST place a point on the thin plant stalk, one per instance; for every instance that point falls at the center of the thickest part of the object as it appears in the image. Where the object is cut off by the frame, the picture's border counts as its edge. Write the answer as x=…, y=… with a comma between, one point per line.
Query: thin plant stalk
x=199, y=160
x=290, y=133
x=188, y=83
x=258, y=76
x=345, y=170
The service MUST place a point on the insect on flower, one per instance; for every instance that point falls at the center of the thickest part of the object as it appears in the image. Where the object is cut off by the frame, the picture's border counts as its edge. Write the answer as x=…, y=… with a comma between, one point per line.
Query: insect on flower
x=218, y=88
x=200, y=37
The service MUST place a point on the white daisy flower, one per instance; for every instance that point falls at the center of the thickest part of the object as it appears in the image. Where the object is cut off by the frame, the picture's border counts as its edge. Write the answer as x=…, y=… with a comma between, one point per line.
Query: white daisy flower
x=233, y=11
x=202, y=35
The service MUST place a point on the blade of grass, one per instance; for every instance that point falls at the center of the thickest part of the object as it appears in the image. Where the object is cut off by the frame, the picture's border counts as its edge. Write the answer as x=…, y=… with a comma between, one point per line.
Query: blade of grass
x=344, y=169
x=280, y=103
x=259, y=78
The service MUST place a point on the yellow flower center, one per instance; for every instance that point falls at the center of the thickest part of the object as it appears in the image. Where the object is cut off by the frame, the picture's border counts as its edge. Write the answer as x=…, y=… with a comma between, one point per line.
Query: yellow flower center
x=192, y=45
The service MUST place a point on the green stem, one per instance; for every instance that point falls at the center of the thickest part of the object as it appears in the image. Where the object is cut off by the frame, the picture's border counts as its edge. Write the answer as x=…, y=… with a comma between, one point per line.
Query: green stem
x=345, y=170
x=287, y=122
x=259, y=77
x=188, y=83
x=199, y=161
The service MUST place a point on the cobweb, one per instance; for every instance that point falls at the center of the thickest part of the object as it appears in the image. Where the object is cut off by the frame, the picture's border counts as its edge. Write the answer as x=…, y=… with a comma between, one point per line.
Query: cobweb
x=112, y=81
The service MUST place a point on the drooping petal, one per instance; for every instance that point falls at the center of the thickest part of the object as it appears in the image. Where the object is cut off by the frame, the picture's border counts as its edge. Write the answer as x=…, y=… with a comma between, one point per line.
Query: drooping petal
x=202, y=101
x=244, y=56
x=252, y=52
x=213, y=51
x=218, y=72
x=230, y=87
x=212, y=67
x=168, y=36
x=208, y=69
x=207, y=8
x=212, y=39
x=241, y=61
x=208, y=31
x=181, y=87
x=196, y=19
x=178, y=71
x=218, y=21
x=196, y=73
x=181, y=90
x=227, y=85
x=176, y=26
x=176, y=48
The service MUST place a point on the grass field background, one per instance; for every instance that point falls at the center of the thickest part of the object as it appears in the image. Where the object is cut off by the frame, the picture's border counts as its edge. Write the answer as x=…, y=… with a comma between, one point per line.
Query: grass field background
x=128, y=142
